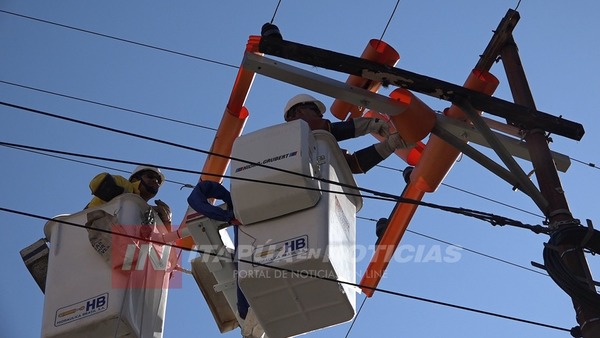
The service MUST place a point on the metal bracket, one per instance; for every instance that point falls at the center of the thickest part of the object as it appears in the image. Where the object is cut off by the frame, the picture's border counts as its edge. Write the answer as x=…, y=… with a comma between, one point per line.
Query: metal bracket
x=523, y=181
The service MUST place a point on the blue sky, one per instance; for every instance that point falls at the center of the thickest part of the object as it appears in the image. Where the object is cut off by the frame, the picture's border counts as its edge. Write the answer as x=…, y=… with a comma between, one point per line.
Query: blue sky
x=442, y=39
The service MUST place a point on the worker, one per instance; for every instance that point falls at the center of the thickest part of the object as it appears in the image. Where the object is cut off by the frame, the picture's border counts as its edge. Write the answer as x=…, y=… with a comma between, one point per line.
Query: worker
x=311, y=110
x=144, y=181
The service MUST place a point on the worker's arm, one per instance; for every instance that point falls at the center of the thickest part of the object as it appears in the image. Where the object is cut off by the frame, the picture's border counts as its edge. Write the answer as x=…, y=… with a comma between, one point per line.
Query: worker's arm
x=204, y=190
x=106, y=186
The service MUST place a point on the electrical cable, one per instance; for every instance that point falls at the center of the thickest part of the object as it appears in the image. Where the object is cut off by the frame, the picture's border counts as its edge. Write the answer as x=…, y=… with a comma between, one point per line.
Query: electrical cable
x=23, y=148
x=488, y=217
x=214, y=129
x=303, y=274
x=355, y=317
x=83, y=162
x=119, y=39
x=589, y=164
x=592, y=165
x=463, y=248
x=518, y=4
x=474, y=194
x=389, y=20
x=491, y=218
x=566, y=240
x=358, y=217
x=275, y=12
x=108, y=105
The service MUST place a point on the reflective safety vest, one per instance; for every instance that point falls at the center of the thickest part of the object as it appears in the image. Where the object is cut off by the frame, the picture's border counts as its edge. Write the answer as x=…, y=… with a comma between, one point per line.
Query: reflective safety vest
x=105, y=187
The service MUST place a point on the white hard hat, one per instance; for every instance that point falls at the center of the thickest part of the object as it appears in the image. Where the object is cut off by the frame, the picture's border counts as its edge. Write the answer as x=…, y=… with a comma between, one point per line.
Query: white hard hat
x=302, y=98
x=141, y=168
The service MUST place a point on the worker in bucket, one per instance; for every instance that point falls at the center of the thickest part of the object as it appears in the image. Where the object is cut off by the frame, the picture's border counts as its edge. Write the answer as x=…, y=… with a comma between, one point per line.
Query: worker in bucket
x=199, y=201
x=144, y=181
x=311, y=110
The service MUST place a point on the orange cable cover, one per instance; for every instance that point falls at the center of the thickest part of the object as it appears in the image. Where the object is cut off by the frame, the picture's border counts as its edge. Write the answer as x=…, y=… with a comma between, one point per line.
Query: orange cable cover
x=435, y=163
x=377, y=51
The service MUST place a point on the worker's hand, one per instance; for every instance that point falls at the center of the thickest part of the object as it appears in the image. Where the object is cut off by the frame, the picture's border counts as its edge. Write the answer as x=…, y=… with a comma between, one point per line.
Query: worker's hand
x=163, y=211
x=386, y=147
x=145, y=231
x=366, y=125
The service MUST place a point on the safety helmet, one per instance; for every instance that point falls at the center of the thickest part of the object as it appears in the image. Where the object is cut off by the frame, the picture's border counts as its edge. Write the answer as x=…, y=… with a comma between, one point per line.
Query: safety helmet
x=141, y=168
x=302, y=98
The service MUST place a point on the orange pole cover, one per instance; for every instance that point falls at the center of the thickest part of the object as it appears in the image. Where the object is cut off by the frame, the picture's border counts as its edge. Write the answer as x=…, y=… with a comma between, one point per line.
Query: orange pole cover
x=231, y=126
x=377, y=51
x=439, y=157
x=398, y=223
x=436, y=161
x=243, y=80
x=416, y=121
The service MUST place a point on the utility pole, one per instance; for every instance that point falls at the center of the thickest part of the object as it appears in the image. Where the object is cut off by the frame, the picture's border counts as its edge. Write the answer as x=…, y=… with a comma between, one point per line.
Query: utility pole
x=557, y=212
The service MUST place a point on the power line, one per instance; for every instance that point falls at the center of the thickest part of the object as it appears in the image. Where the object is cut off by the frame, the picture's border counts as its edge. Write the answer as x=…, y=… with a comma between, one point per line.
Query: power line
x=359, y=217
x=488, y=217
x=215, y=129
x=356, y=317
x=275, y=12
x=118, y=39
x=22, y=148
x=474, y=194
x=304, y=274
x=589, y=164
x=389, y=20
x=82, y=162
x=491, y=218
x=463, y=248
x=185, y=55
x=107, y=105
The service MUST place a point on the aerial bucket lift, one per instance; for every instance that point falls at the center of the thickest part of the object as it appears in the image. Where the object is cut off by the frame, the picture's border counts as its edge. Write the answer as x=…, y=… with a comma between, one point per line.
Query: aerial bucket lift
x=91, y=292
x=297, y=244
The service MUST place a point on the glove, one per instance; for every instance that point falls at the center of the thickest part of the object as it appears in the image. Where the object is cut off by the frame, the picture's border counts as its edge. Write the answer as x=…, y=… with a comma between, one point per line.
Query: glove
x=395, y=141
x=163, y=211
x=145, y=231
x=366, y=125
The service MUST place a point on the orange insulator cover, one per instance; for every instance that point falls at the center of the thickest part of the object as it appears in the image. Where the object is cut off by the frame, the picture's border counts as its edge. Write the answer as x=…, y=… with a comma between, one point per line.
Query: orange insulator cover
x=439, y=157
x=377, y=51
x=436, y=161
x=398, y=223
x=410, y=155
x=416, y=121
